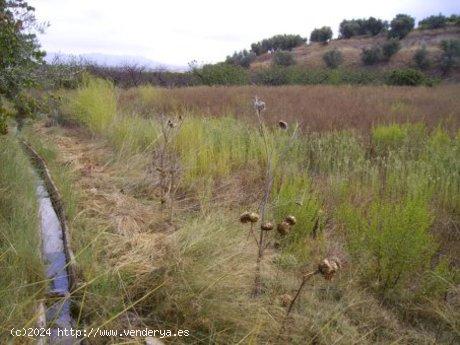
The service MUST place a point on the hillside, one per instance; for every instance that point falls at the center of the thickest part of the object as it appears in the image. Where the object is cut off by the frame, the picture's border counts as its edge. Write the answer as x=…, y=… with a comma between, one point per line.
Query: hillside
x=310, y=55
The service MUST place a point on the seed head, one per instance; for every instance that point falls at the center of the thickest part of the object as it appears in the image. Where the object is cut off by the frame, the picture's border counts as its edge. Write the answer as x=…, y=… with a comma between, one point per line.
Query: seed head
x=259, y=105
x=283, y=125
x=267, y=226
x=285, y=300
x=328, y=267
x=245, y=217
x=291, y=220
x=253, y=217
x=283, y=228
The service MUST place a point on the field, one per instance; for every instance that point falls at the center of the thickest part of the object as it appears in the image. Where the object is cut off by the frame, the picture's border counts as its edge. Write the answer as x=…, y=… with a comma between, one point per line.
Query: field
x=155, y=181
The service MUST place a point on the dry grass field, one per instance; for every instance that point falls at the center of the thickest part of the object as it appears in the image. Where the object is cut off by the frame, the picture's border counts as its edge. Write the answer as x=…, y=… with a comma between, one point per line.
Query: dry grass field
x=155, y=181
x=316, y=108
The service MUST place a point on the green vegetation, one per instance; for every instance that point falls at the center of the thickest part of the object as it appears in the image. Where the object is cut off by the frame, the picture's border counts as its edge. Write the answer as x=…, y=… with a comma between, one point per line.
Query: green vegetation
x=283, y=58
x=333, y=58
x=400, y=26
x=22, y=282
x=408, y=76
x=278, y=42
x=450, y=56
x=20, y=52
x=372, y=55
x=421, y=58
x=323, y=34
x=433, y=22
x=355, y=27
x=242, y=58
x=390, y=48
x=222, y=74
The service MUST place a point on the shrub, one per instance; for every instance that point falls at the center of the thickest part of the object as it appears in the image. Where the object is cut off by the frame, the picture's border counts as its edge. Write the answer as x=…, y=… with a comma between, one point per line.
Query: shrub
x=371, y=26
x=433, y=22
x=450, y=55
x=390, y=47
x=281, y=42
x=242, y=58
x=388, y=138
x=222, y=74
x=333, y=58
x=421, y=58
x=401, y=25
x=407, y=76
x=283, y=58
x=372, y=55
x=391, y=242
x=274, y=75
x=94, y=104
x=323, y=34
x=454, y=20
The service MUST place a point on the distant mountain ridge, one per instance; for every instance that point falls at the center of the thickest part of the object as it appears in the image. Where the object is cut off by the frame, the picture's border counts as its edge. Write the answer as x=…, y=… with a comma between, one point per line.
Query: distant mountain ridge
x=112, y=60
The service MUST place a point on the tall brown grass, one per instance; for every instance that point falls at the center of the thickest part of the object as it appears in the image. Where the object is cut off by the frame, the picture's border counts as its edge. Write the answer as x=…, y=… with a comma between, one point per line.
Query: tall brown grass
x=317, y=108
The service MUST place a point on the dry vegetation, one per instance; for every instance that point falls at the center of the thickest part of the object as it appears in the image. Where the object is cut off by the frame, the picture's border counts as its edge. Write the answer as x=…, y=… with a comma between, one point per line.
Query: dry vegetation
x=316, y=108
x=371, y=178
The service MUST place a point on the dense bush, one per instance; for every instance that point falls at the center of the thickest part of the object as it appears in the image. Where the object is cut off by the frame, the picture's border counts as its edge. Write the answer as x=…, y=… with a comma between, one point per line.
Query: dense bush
x=450, y=55
x=323, y=34
x=278, y=42
x=433, y=22
x=222, y=74
x=401, y=25
x=242, y=58
x=283, y=58
x=391, y=241
x=372, y=55
x=454, y=20
x=333, y=58
x=421, y=58
x=408, y=76
x=274, y=75
x=371, y=26
x=390, y=47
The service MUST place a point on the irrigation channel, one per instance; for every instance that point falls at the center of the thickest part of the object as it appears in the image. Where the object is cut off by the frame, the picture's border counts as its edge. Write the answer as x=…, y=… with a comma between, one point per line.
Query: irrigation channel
x=56, y=254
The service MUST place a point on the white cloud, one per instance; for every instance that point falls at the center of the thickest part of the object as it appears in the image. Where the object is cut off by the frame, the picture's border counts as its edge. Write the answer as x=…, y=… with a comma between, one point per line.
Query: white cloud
x=176, y=32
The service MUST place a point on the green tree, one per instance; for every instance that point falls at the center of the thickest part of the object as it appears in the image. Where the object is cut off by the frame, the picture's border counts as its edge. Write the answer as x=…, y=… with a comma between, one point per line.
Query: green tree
x=20, y=52
x=323, y=34
x=19, y=49
x=242, y=58
x=401, y=25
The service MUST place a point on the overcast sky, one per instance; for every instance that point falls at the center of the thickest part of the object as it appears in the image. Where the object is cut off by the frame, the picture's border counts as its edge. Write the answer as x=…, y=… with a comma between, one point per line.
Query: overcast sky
x=176, y=32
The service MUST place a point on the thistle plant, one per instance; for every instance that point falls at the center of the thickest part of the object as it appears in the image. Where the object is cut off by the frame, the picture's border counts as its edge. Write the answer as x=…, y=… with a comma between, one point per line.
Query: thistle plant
x=327, y=268
x=168, y=167
x=266, y=227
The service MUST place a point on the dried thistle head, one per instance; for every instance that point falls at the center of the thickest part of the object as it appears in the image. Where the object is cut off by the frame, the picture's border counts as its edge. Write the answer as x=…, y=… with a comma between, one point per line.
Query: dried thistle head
x=285, y=299
x=245, y=217
x=328, y=267
x=171, y=124
x=266, y=226
x=283, y=125
x=283, y=228
x=253, y=217
x=291, y=220
x=259, y=105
